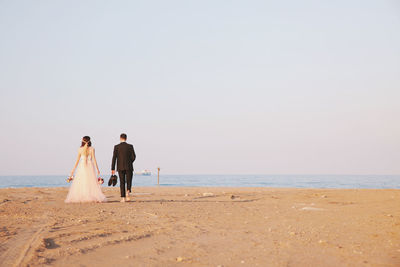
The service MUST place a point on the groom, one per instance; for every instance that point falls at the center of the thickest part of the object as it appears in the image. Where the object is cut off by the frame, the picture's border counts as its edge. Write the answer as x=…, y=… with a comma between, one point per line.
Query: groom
x=124, y=155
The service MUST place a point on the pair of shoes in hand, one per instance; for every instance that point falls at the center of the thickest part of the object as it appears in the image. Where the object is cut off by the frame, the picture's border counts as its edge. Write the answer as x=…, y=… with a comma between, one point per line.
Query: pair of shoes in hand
x=113, y=180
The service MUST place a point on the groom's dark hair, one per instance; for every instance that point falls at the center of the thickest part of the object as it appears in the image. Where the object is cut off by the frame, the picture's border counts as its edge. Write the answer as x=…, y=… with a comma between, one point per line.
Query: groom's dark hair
x=123, y=136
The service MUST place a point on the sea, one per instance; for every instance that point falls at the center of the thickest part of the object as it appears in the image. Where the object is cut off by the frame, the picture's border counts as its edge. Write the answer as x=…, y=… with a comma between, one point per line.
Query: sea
x=292, y=181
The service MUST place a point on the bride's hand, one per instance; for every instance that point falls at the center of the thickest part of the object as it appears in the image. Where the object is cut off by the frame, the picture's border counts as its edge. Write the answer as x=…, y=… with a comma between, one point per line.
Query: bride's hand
x=98, y=173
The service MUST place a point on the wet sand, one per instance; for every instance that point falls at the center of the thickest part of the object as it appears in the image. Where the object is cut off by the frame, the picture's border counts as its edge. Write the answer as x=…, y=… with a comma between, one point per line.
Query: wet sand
x=166, y=226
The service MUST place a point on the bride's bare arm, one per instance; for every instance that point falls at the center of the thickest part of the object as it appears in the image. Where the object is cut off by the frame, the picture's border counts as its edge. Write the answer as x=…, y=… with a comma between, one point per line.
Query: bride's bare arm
x=76, y=163
x=95, y=161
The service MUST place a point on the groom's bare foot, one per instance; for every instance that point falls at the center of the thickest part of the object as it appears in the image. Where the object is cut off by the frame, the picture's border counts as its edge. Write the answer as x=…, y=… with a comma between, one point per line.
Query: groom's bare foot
x=122, y=199
x=128, y=198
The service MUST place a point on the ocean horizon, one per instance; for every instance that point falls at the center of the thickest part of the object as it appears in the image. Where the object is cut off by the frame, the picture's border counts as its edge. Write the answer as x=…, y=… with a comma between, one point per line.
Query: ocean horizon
x=223, y=180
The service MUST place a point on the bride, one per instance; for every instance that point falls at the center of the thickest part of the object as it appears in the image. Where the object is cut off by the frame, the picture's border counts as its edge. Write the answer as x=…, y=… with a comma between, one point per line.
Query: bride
x=85, y=187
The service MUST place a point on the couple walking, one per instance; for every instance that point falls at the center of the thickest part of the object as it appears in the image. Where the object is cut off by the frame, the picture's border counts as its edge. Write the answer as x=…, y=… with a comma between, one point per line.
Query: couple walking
x=85, y=185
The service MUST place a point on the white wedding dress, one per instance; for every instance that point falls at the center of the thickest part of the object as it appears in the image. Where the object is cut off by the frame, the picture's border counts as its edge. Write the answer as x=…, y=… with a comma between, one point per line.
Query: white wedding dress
x=85, y=187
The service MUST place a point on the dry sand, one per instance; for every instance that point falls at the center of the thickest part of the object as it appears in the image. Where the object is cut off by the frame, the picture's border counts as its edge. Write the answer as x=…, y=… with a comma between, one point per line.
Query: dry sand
x=185, y=227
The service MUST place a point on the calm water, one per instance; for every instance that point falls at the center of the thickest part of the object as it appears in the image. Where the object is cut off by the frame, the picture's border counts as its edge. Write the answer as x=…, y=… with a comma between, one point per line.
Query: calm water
x=299, y=181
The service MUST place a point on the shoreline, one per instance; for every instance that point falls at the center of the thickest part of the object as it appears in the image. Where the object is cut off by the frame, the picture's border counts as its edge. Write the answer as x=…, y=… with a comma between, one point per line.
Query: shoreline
x=202, y=226
x=234, y=181
x=216, y=187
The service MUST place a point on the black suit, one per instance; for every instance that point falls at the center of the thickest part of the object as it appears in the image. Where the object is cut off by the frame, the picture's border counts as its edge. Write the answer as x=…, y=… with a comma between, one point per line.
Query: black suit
x=124, y=155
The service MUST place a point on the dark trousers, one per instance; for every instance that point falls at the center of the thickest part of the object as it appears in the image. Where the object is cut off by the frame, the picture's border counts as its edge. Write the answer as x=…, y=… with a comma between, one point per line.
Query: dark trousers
x=125, y=177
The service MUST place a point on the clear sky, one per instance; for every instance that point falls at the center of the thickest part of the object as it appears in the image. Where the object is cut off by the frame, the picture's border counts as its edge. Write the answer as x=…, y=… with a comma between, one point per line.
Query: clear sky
x=233, y=87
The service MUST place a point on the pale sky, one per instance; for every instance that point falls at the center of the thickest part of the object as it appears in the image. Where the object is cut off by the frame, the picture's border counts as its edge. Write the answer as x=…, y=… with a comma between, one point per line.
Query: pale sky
x=202, y=87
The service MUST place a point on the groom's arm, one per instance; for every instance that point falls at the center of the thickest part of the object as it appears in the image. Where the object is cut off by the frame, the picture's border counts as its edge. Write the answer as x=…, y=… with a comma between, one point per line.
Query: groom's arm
x=114, y=159
x=133, y=155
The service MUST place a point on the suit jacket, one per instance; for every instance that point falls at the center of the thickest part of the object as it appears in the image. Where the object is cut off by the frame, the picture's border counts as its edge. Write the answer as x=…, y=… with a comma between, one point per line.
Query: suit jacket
x=124, y=155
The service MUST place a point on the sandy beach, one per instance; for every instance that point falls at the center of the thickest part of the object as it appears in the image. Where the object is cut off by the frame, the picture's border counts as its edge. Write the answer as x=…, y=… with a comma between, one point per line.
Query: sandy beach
x=202, y=227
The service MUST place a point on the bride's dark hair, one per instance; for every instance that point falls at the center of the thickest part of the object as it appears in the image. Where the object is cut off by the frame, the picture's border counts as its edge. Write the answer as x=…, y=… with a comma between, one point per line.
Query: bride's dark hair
x=86, y=144
x=86, y=140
